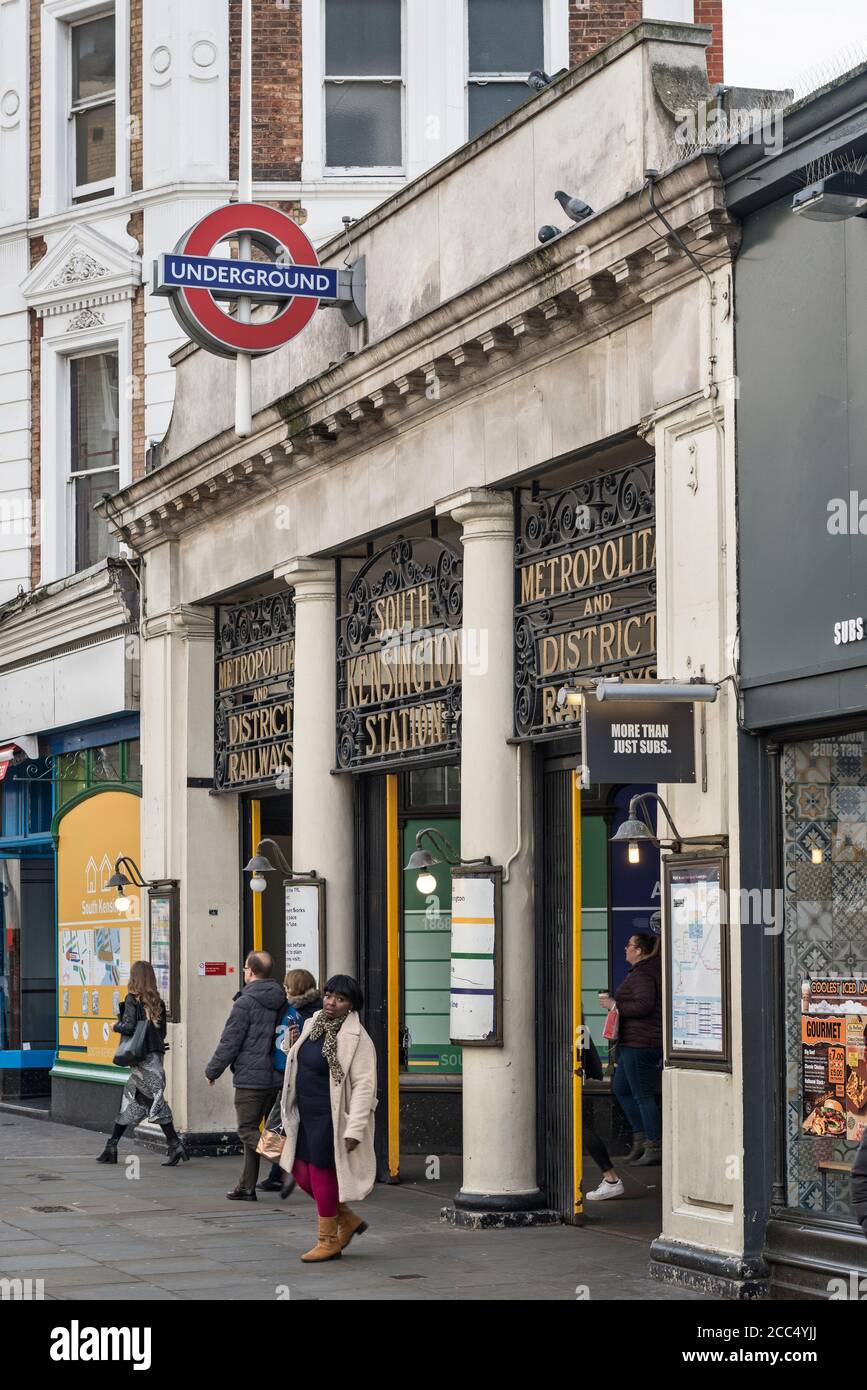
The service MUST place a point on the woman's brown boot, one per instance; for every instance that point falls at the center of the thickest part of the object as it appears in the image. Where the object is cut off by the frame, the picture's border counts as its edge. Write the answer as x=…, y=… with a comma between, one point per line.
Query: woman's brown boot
x=349, y=1224
x=327, y=1247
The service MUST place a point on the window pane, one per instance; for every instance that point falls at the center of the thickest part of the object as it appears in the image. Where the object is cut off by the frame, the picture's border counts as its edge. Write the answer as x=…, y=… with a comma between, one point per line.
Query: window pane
x=427, y=787
x=133, y=761
x=93, y=58
x=73, y=777
x=93, y=540
x=105, y=763
x=362, y=125
x=362, y=40
x=94, y=144
x=94, y=402
x=824, y=786
x=492, y=102
x=506, y=35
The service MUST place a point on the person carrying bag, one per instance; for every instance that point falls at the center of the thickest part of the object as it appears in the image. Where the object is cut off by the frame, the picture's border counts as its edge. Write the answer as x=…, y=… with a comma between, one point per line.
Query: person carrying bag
x=142, y=1025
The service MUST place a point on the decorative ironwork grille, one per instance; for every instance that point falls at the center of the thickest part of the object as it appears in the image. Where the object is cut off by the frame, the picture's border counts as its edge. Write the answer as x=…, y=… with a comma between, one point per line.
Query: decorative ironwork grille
x=254, y=689
x=399, y=657
x=585, y=590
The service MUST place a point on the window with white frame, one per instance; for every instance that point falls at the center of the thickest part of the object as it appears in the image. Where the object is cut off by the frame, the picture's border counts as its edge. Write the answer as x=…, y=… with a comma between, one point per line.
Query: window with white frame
x=506, y=41
x=92, y=91
x=364, y=84
x=94, y=454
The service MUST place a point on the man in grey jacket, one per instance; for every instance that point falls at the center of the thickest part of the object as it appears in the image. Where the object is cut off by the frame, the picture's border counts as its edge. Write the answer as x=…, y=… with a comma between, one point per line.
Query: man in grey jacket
x=247, y=1048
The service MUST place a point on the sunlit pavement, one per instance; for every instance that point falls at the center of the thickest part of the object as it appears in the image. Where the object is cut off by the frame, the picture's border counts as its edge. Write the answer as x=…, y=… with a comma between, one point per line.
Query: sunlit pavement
x=97, y=1232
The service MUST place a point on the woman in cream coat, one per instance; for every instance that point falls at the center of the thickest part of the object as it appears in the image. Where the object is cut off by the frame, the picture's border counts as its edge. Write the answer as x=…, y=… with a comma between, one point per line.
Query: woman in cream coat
x=329, y=1098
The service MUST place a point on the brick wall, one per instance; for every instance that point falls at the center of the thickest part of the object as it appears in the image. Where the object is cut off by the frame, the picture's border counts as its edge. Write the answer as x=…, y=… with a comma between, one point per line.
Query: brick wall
x=35, y=99
x=136, y=143
x=711, y=12
x=597, y=22
x=135, y=228
x=593, y=23
x=276, y=89
x=37, y=251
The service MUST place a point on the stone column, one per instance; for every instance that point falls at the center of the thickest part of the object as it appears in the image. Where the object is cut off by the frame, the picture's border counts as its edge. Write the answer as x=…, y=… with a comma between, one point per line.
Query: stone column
x=499, y=1086
x=190, y=835
x=323, y=826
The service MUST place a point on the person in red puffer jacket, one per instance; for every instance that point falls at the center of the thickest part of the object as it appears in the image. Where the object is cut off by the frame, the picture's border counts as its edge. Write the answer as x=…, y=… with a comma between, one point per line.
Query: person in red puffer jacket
x=639, y=1003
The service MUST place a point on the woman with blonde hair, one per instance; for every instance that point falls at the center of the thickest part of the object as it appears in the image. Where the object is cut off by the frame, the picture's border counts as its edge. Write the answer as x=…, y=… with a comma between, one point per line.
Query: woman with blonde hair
x=144, y=1093
x=303, y=1000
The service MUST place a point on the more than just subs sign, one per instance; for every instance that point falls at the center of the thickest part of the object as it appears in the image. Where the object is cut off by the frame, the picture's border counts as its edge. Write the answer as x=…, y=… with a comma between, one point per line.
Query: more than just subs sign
x=638, y=741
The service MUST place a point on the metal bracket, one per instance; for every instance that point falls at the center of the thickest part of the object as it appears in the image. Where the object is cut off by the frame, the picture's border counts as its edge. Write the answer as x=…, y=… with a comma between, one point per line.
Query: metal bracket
x=351, y=293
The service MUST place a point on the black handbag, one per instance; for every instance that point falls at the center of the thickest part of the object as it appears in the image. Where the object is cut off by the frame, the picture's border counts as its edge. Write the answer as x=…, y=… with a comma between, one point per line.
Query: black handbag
x=134, y=1048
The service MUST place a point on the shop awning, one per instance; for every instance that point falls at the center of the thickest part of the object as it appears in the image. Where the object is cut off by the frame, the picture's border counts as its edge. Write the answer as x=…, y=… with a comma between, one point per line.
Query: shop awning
x=7, y=752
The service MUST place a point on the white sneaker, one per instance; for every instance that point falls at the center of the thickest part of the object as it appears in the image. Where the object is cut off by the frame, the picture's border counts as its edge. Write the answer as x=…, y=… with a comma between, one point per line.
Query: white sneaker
x=605, y=1190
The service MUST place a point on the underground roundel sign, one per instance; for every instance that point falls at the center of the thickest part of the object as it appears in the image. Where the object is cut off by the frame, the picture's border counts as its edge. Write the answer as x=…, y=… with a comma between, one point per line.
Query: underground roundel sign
x=201, y=287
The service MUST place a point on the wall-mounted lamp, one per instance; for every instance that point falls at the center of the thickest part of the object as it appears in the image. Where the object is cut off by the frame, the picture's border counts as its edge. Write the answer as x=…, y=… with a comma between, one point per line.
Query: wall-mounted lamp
x=636, y=830
x=119, y=880
x=816, y=854
x=834, y=199
x=260, y=865
x=421, y=861
x=615, y=688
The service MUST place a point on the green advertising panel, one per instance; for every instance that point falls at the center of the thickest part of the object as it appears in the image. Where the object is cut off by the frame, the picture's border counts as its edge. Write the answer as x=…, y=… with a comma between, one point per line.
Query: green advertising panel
x=427, y=934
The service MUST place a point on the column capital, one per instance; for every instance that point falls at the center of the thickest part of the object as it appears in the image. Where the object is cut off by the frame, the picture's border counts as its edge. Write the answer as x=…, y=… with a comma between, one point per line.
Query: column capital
x=184, y=621
x=483, y=513
x=313, y=580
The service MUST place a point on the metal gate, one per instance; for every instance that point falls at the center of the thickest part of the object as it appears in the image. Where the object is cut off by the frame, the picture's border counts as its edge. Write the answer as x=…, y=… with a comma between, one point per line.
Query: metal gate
x=554, y=1060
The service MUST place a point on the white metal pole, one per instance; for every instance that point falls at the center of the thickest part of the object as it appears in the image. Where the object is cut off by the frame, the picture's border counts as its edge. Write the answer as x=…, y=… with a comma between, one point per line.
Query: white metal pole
x=243, y=361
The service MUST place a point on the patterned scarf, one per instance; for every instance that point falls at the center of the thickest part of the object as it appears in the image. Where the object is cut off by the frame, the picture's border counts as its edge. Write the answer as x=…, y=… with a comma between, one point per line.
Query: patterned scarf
x=330, y=1027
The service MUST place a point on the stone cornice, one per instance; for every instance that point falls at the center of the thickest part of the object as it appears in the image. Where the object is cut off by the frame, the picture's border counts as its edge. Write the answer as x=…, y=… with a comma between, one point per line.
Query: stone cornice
x=72, y=612
x=580, y=287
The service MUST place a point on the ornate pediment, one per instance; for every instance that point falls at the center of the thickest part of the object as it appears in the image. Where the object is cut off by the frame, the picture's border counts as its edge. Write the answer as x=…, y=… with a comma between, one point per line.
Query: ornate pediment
x=80, y=266
x=84, y=269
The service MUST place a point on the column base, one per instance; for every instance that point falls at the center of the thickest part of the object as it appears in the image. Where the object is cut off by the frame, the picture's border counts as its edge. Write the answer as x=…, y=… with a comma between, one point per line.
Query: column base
x=198, y=1143
x=481, y=1211
x=711, y=1272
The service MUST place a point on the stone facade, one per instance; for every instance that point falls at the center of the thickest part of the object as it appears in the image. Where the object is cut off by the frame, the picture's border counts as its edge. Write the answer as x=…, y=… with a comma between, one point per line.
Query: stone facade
x=477, y=371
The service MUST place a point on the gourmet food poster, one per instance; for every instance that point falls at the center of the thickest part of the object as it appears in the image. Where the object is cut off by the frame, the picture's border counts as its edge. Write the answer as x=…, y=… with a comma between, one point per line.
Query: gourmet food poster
x=823, y=1075
x=856, y=1077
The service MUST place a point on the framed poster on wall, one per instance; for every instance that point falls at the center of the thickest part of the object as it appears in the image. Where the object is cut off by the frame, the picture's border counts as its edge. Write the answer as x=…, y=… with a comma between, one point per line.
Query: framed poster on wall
x=476, y=974
x=305, y=926
x=165, y=944
x=697, y=1024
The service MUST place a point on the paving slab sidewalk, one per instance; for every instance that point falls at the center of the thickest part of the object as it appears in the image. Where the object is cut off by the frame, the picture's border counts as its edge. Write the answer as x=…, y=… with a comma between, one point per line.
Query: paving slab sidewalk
x=145, y=1232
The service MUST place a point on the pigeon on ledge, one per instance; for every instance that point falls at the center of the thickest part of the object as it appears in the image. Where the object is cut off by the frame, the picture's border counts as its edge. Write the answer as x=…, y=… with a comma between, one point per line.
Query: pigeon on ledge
x=574, y=208
x=538, y=80
x=547, y=233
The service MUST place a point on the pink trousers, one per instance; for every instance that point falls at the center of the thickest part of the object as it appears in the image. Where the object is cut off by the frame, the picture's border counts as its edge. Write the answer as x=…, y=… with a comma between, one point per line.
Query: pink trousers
x=318, y=1183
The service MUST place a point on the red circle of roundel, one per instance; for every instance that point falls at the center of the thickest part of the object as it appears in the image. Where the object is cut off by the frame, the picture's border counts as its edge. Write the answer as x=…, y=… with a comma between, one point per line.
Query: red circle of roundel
x=226, y=333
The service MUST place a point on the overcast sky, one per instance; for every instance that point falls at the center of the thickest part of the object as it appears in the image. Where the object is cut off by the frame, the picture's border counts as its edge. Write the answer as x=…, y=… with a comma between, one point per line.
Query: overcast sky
x=786, y=43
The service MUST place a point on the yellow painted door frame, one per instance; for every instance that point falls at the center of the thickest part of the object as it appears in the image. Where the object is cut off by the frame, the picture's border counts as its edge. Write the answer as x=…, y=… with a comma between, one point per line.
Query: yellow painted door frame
x=255, y=837
x=393, y=973
x=577, y=1011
